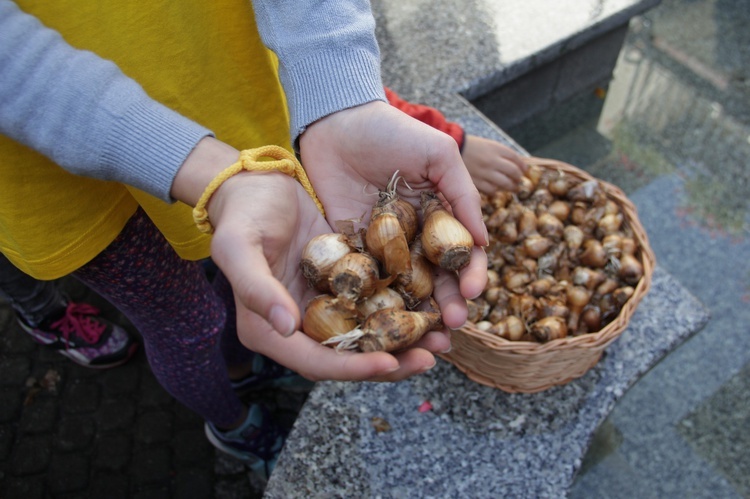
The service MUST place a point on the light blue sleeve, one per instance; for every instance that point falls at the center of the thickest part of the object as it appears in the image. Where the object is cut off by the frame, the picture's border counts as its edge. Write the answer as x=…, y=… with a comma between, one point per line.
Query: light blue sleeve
x=328, y=54
x=83, y=113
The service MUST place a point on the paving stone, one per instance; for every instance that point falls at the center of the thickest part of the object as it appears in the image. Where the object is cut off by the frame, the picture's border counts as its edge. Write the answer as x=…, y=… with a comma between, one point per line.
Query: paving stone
x=193, y=483
x=154, y=427
x=192, y=446
x=50, y=356
x=10, y=404
x=14, y=371
x=6, y=442
x=184, y=418
x=109, y=485
x=68, y=473
x=123, y=380
x=113, y=451
x=152, y=394
x=115, y=415
x=75, y=371
x=16, y=341
x=31, y=455
x=152, y=466
x=75, y=433
x=39, y=416
x=153, y=493
x=81, y=396
x=235, y=488
x=26, y=488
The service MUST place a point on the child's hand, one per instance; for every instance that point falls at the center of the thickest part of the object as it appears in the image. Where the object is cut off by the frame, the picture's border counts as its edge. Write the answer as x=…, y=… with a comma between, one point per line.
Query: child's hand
x=492, y=165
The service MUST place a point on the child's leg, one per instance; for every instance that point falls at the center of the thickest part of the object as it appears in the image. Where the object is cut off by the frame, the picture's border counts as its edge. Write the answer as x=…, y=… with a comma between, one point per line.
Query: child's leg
x=32, y=300
x=177, y=312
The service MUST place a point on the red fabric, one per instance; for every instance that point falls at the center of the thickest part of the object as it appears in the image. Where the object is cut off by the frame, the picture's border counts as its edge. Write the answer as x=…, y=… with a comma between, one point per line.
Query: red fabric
x=428, y=115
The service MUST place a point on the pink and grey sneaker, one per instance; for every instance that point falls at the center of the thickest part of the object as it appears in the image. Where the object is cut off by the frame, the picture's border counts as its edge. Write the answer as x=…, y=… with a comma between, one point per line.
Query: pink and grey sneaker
x=84, y=337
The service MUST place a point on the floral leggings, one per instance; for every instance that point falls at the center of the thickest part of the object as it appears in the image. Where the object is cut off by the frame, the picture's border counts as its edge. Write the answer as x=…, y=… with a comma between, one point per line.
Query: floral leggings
x=187, y=324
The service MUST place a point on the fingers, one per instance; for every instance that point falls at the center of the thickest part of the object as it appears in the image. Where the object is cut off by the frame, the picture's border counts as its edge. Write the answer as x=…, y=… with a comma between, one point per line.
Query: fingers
x=317, y=362
x=254, y=284
x=446, y=170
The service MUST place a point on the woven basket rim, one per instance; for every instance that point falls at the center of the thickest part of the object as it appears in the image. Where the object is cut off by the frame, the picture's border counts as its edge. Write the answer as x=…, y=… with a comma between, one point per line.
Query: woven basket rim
x=602, y=338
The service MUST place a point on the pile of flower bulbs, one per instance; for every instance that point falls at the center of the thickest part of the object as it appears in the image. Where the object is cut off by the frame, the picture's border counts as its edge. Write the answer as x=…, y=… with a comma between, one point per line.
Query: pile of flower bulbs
x=562, y=259
x=377, y=283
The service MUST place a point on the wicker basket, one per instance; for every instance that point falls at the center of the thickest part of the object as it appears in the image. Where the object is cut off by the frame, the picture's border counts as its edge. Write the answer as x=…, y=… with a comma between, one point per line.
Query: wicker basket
x=527, y=367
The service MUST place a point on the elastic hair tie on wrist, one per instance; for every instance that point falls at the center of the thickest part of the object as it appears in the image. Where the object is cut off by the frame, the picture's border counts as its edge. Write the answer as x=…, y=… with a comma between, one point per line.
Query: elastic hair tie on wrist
x=285, y=162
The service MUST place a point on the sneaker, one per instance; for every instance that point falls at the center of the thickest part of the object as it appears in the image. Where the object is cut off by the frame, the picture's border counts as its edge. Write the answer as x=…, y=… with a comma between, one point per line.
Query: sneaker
x=267, y=373
x=84, y=337
x=257, y=441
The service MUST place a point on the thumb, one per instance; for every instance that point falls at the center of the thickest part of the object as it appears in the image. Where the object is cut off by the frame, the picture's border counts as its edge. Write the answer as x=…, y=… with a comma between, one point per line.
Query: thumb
x=255, y=287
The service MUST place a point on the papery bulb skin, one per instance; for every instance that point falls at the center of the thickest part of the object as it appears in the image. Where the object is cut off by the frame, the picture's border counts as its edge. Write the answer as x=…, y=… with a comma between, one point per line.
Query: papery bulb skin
x=549, y=328
x=417, y=285
x=354, y=277
x=511, y=328
x=382, y=298
x=389, y=330
x=319, y=256
x=445, y=241
x=325, y=318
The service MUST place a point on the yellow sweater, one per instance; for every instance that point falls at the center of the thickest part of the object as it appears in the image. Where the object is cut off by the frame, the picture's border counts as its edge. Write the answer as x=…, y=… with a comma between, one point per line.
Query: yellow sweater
x=202, y=59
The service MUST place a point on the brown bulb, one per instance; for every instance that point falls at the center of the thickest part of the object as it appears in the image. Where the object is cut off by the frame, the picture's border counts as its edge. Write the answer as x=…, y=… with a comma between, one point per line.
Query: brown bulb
x=382, y=298
x=325, y=318
x=510, y=327
x=549, y=328
x=445, y=241
x=354, y=277
x=319, y=256
x=415, y=285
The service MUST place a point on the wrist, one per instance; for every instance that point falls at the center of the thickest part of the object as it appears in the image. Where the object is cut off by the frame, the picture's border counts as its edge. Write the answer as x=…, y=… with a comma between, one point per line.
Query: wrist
x=208, y=159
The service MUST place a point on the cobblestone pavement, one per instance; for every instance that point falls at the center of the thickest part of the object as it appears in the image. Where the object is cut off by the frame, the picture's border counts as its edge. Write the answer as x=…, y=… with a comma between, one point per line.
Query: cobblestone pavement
x=71, y=432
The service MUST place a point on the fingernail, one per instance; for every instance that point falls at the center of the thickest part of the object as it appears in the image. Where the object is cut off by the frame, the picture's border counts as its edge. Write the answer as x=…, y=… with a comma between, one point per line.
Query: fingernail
x=486, y=236
x=427, y=368
x=282, y=321
x=447, y=350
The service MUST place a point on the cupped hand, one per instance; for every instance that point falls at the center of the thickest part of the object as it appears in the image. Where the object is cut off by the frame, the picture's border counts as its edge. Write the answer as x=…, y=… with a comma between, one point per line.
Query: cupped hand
x=492, y=165
x=351, y=154
x=262, y=222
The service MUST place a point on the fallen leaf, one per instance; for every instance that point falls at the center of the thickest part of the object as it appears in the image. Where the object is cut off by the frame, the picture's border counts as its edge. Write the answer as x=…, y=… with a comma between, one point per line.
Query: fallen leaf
x=380, y=424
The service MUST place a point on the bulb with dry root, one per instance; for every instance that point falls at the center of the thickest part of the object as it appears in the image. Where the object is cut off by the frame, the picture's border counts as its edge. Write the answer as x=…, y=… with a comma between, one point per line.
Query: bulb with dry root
x=415, y=285
x=446, y=242
x=393, y=225
x=326, y=318
x=382, y=298
x=319, y=256
x=511, y=328
x=354, y=277
x=388, y=330
x=549, y=328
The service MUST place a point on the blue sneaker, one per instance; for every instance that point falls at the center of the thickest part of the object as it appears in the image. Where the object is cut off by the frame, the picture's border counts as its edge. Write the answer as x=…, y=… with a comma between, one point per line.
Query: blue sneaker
x=257, y=441
x=267, y=373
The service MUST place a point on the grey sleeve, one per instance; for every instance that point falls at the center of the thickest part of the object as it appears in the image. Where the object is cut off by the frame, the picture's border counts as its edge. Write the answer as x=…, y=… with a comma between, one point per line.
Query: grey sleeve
x=328, y=54
x=83, y=113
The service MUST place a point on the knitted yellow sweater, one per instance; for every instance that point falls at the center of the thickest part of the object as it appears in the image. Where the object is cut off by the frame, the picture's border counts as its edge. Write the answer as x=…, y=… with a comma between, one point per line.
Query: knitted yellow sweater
x=202, y=59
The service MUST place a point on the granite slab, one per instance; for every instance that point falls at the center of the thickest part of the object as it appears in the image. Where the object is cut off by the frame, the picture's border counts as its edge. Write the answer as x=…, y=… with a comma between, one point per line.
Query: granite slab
x=469, y=440
x=474, y=46
x=372, y=439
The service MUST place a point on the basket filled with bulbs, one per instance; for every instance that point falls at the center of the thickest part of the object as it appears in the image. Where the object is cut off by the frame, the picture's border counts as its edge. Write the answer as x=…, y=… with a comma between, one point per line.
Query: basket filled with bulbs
x=569, y=262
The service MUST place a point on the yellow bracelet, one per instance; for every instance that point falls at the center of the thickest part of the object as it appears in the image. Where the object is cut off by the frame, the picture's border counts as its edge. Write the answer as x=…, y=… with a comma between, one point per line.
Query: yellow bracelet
x=285, y=162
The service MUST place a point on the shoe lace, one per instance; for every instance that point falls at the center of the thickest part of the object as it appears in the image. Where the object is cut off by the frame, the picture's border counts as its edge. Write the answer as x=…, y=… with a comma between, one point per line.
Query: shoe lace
x=78, y=321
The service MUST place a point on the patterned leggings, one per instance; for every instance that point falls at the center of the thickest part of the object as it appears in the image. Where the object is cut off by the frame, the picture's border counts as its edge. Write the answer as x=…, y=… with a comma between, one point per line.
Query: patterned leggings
x=180, y=315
